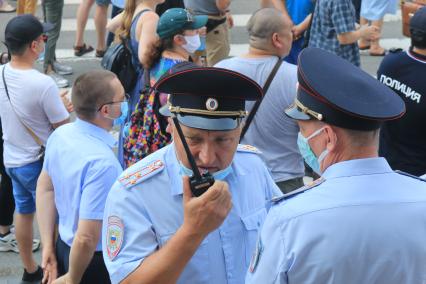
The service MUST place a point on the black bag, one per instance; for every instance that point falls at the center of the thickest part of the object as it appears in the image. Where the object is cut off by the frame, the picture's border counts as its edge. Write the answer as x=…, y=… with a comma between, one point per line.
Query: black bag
x=118, y=59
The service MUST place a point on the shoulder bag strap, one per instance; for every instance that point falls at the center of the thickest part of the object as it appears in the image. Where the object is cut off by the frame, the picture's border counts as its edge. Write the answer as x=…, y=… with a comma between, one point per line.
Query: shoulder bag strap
x=35, y=137
x=257, y=104
x=308, y=31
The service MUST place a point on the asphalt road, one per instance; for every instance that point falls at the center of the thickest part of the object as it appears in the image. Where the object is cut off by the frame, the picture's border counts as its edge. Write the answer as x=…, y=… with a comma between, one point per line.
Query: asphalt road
x=10, y=265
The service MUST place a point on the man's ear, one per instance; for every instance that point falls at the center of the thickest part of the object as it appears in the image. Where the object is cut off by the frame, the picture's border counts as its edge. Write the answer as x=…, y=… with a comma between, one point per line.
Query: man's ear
x=331, y=137
x=276, y=40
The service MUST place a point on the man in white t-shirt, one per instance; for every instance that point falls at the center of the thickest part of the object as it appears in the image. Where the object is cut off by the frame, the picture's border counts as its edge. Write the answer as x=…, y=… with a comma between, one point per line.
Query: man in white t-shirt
x=30, y=98
x=271, y=131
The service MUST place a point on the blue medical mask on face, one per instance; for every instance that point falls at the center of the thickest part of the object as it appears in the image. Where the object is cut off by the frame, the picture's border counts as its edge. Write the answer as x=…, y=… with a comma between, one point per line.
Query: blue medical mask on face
x=307, y=153
x=124, y=107
x=219, y=175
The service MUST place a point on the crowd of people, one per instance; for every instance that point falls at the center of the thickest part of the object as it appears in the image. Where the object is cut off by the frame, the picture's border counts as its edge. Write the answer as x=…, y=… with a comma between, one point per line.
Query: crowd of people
x=207, y=183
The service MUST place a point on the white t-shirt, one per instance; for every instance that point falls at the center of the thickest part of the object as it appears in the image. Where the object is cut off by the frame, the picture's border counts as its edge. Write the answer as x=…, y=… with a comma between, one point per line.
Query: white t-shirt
x=35, y=99
x=271, y=131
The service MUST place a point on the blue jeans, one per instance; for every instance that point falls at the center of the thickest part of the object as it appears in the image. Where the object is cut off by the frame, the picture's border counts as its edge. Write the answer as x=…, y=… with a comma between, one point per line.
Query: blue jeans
x=24, y=182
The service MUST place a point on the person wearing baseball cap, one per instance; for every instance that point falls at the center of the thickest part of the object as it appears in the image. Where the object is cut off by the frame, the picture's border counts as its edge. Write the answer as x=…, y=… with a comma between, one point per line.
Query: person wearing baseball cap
x=159, y=226
x=361, y=222
x=30, y=109
x=401, y=142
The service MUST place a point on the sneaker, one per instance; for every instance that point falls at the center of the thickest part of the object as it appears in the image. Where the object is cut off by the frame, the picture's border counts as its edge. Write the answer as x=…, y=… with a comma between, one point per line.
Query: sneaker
x=9, y=243
x=60, y=81
x=62, y=69
x=32, y=278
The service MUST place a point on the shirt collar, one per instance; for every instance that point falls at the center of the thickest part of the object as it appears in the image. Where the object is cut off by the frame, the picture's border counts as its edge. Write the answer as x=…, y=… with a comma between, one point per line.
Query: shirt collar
x=173, y=170
x=416, y=55
x=96, y=132
x=357, y=167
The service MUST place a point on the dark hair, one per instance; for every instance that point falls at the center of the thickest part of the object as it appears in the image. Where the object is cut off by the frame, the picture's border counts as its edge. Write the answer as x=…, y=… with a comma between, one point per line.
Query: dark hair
x=418, y=38
x=17, y=48
x=90, y=91
x=158, y=48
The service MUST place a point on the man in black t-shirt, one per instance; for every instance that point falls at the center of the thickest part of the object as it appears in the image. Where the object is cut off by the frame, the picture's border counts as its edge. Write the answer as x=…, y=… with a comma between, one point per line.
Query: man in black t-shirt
x=403, y=141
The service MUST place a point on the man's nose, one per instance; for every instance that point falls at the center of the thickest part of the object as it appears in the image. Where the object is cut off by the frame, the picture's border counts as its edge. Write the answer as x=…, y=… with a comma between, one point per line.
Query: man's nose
x=206, y=156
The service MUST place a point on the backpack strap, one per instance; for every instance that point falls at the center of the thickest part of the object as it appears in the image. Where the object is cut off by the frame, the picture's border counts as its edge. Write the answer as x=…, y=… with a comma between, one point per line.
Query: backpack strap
x=135, y=21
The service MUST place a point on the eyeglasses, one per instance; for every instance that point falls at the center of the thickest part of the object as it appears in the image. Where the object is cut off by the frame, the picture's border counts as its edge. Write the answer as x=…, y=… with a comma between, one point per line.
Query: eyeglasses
x=126, y=99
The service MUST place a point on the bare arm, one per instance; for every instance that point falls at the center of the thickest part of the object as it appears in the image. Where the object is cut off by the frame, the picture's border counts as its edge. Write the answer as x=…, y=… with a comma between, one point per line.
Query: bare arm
x=115, y=23
x=201, y=216
x=364, y=32
x=46, y=218
x=223, y=5
x=148, y=36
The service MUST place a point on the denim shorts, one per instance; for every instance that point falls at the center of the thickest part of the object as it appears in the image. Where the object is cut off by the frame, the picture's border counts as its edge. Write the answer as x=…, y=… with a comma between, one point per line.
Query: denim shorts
x=103, y=2
x=24, y=182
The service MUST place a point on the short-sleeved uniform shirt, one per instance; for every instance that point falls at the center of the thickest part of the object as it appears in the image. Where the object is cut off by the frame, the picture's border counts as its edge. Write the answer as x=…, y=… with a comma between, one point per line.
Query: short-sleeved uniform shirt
x=403, y=141
x=331, y=18
x=364, y=223
x=144, y=210
x=82, y=166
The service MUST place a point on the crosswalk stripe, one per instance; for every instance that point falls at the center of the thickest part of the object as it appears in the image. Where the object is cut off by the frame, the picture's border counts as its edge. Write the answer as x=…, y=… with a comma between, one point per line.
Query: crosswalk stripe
x=236, y=49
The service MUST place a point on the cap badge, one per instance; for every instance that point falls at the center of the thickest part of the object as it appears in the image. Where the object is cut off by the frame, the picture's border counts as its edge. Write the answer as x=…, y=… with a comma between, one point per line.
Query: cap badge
x=212, y=104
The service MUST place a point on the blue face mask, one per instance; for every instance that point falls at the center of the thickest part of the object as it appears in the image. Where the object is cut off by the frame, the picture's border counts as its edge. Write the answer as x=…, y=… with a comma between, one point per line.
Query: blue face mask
x=219, y=175
x=124, y=107
x=307, y=153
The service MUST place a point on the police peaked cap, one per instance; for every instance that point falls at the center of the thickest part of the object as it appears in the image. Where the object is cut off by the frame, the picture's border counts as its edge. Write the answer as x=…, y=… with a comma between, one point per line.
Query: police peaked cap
x=207, y=97
x=337, y=92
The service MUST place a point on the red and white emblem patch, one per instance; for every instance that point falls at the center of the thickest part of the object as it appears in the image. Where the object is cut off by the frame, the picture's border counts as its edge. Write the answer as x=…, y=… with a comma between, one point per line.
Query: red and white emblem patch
x=115, y=235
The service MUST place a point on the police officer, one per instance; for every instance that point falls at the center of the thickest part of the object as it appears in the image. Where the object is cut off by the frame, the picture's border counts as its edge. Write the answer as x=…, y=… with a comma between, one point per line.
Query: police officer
x=361, y=222
x=155, y=230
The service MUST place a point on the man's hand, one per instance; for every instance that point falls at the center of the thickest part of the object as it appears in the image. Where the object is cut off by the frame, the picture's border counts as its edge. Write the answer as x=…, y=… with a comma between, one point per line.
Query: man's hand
x=297, y=31
x=369, y=32
x=67, y=103
x=49, y=265
x=207, y=212
x=65, y=279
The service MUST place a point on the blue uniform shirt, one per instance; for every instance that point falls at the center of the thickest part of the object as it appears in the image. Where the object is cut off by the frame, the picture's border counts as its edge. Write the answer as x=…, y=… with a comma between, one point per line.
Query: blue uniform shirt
x=144, y=210
x=80, y=161
x=363, y=224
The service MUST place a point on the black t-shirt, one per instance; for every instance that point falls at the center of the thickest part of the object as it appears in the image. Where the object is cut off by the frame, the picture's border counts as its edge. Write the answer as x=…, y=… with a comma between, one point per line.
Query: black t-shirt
x=403, y=141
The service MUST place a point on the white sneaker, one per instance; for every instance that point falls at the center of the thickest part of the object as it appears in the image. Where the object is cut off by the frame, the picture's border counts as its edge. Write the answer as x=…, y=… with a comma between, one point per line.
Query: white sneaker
x=60, y=81
x=62, y=69
x=9, y=243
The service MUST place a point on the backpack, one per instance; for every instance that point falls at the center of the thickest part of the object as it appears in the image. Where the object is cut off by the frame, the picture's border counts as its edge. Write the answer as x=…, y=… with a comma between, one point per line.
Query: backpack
x=147, y=126
x=118, y=60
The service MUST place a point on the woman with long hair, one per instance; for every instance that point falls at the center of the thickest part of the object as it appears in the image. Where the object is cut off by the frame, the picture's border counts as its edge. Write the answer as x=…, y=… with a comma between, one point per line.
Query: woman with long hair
x=137, y=22
x=178, y=39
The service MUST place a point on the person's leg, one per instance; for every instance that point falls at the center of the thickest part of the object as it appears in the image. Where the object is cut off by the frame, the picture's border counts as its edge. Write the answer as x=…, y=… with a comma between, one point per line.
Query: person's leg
x=96, y=272
x=375, y=48
x=53, y=14
x=7, y=203
x=100, y=24
x=82, y=16
x=217, y=44
x=114, y=12
x=24, y=180
x=30, y=7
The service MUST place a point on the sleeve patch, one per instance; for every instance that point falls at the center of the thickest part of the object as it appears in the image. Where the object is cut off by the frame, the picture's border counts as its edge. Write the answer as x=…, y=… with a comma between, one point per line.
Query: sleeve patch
x=115, y=236
x=138, y=173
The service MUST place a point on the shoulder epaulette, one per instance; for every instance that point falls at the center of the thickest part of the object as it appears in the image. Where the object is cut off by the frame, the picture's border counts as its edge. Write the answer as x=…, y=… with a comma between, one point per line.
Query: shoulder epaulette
x=298, y=191
x=395, y=50
x=248, y=149
x=140, y=172
x=410, y=175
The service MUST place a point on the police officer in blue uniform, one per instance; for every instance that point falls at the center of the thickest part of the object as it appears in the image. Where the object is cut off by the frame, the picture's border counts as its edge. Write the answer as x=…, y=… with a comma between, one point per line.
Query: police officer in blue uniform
x=361, y=222
x=156, y=230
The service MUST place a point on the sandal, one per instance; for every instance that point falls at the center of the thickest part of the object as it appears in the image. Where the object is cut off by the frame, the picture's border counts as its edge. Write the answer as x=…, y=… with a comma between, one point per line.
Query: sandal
x=363, y=47
x=100, y=53
x=7, y=8
x=83, y=49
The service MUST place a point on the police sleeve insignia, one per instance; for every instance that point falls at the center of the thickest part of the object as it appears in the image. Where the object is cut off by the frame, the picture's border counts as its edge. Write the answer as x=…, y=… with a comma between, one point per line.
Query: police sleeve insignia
x=115, y=235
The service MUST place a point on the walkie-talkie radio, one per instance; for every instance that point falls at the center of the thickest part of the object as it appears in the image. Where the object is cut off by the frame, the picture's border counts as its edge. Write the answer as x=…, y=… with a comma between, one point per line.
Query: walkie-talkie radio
x=199, y=183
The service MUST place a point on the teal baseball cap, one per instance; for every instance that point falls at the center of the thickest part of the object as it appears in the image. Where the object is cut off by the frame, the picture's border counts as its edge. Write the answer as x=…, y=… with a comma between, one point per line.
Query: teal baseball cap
x=177, y=19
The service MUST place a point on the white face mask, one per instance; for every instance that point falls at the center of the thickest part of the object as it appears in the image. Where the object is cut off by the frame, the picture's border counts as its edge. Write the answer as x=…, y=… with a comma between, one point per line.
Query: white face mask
x=192, y=43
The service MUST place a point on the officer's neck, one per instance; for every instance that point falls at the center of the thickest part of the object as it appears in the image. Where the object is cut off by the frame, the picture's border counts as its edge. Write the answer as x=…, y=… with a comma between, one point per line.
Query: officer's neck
x=419, y=51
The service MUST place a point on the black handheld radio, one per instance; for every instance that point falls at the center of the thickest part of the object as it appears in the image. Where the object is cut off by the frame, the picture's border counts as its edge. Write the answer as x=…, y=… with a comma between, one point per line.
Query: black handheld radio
x=199, y=183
